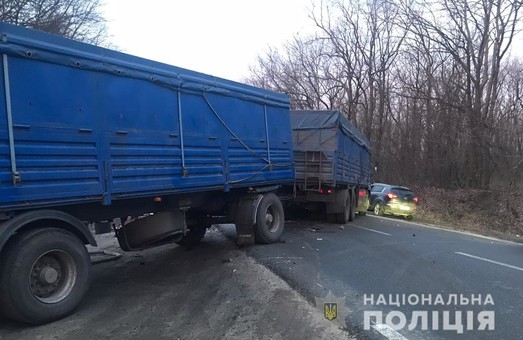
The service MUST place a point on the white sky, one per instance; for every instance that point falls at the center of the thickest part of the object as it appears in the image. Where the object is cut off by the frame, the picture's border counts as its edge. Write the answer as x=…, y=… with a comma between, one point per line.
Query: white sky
x=218, y=37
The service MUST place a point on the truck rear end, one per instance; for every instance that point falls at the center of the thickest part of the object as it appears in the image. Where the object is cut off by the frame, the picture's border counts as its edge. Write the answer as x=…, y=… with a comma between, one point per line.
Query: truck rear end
x=332, y=163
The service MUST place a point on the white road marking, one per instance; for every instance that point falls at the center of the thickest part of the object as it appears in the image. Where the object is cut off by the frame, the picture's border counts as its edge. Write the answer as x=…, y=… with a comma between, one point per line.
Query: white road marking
x=490, y=261
x=374, y=231
x=388, y=332
x=467, y=233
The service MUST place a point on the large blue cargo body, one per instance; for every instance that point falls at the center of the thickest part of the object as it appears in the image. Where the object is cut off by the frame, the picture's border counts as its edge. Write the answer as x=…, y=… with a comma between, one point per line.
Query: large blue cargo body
x=79, y=123
x=329, y=151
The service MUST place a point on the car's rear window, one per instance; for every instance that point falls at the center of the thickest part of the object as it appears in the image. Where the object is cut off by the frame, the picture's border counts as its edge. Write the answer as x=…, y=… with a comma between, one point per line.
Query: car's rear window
x=402, y=192
x=377, y=188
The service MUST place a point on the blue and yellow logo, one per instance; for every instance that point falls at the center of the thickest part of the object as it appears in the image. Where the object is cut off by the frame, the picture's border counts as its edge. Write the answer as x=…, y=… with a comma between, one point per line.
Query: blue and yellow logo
x=330, y=310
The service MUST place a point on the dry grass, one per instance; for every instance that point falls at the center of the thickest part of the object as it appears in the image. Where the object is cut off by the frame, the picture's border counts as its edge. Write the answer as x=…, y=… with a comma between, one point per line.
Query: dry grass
x=488, y=212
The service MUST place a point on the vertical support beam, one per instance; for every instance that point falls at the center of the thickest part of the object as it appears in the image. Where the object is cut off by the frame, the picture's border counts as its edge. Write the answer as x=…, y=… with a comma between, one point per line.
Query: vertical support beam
x=185, y=172
x=7, y=87
x=108, y=183
x=267, y=137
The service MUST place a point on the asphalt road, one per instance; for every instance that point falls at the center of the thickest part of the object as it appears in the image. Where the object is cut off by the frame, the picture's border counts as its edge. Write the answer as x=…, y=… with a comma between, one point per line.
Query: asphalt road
x=217, y=291
x=375, y=255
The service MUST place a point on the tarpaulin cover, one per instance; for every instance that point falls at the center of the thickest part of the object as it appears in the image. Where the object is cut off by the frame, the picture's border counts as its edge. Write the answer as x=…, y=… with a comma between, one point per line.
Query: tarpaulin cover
x=320, y=119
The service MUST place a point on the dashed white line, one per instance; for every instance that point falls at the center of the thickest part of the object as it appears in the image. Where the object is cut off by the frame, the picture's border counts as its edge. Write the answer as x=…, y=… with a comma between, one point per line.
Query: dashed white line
x=374, y=231
x=388, y=332
x=440, y=228
x=490, y=261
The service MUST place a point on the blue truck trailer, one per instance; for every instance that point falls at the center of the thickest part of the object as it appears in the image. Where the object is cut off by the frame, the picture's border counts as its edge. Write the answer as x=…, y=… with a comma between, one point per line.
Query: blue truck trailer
x=332, y=164
x=89, y=134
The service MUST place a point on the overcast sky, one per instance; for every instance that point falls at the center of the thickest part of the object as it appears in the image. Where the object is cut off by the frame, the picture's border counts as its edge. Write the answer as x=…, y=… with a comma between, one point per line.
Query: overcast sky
x=218, y=37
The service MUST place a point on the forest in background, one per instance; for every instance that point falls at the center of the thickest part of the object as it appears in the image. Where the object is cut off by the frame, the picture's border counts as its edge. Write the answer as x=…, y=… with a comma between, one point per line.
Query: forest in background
x=436, y=86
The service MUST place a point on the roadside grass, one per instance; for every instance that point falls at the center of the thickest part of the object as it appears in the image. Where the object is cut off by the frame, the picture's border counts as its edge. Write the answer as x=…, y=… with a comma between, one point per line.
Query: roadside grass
x=486, y=212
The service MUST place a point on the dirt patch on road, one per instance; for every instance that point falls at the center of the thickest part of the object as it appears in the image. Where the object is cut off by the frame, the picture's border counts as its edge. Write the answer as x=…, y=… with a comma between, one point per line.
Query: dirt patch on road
x=213, y=291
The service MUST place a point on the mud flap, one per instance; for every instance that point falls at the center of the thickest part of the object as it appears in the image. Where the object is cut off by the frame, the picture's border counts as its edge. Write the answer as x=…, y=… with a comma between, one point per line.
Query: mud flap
x=246, y=218
x=363, y=200
x=340, y=199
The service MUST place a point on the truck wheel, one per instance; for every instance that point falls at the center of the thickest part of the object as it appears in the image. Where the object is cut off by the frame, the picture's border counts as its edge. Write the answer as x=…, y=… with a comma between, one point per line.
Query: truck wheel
x=44, y=275
x=269, y=219
x=193, y=236
x=352, y=213
x=378, y=209
x=344, y=217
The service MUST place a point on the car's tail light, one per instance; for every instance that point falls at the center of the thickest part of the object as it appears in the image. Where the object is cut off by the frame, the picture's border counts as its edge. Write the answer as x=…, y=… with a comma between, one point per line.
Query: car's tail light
x=416, y=200
x=328, y=191
x=392, y=196
x=362, y=193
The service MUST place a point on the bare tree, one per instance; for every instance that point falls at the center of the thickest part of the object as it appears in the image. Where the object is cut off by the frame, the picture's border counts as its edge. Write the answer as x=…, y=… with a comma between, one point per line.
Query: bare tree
x=305, y=71
x=366, y=39
x=76, y=19
x=477, y=35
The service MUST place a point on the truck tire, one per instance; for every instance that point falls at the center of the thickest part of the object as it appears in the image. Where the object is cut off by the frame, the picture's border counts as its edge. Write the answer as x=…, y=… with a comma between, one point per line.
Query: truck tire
x=270, y=219
x=44, y=274
x=344, y=217
x=193, y=236
x=352, y=213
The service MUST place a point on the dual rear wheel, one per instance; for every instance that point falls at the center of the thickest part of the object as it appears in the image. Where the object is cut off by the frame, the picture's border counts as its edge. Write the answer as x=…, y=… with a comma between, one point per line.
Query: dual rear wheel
x=349, y=213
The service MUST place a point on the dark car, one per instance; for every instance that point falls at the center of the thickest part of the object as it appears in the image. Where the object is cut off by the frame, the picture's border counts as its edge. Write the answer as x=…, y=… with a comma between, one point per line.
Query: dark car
x=393, y=200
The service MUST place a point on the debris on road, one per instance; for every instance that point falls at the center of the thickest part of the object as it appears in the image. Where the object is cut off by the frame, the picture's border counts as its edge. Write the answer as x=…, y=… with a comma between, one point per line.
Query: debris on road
x=103, y=256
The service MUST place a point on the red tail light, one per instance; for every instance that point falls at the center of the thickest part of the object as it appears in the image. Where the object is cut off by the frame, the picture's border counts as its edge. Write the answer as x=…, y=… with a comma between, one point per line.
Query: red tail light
x=416, y=200
x=392, y=196
x=328, y=191
x=362, y=193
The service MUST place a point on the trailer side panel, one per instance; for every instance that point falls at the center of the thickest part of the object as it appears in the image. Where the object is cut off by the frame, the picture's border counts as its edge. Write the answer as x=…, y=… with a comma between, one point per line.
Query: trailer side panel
x=90, y=124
